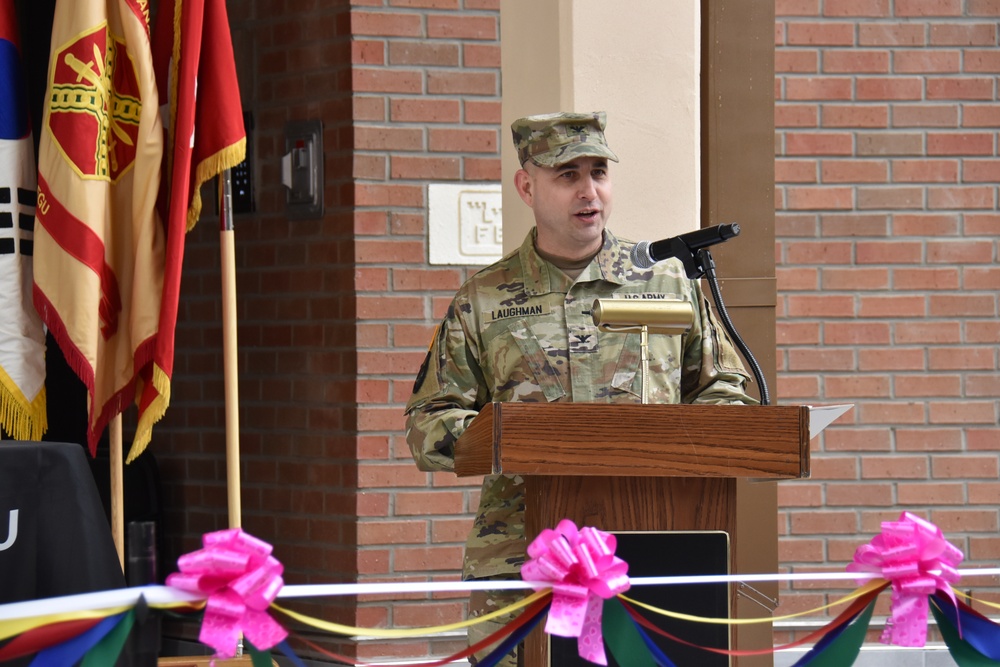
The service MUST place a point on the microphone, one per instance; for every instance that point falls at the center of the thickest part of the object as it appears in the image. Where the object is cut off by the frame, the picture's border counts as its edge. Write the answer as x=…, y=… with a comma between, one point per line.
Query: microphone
x=646, y=253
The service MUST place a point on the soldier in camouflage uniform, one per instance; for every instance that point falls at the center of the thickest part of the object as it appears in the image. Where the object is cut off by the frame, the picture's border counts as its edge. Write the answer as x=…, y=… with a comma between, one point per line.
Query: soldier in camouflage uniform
x=522, y=330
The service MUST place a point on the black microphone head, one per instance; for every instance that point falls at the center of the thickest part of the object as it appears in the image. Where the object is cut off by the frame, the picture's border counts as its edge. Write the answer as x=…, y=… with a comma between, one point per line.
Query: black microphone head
x=640, y=255
x=728, y=230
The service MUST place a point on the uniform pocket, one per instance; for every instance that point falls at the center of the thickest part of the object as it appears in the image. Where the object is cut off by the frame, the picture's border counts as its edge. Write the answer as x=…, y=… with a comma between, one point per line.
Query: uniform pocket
x=547, y=379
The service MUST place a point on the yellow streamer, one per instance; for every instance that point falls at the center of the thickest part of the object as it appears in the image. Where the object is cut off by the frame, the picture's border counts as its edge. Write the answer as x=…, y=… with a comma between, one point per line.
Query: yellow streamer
x=408, y=632
x=16, y=626
x=867, y=588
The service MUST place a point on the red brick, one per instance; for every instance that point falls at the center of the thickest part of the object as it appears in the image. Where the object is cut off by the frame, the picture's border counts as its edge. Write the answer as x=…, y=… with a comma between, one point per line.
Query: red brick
x=855, y=279
x=856, y=60
x=820, y=360
x=388, y=195
x=982, y=439
x=463, y=141
x=801, y=551
x=817, y=252
x=435, y=169
x=371, y=280
x=938, y=171
x=856, y=386
x=857, y=440
x=482, y=169
x=876, y=143
x=796, y=7
x=965, y=521
x=982, y=8
x=985, y=171
x=889, y=88
x=892, y=306
x=795, y=171
x=385, y=24
x=867, y=8
x=817, y=34
x=392, y=532
x=424, y=110
x=982, y=385
x=477, y=111
x=855, y=224
x=426, y=4
x=852, y=495
x=928, y=386
x=423, y=53
x=959, y=252
x=823, y=523
x=925, y=279
x=820, y=306
x=984, y=493
x=890, y=197
x=856, y=115
x=796, y=115
x=798, y=387
x=927, y=332
x=926, y=115
x=798, y=278
x=894, y=467
x=891, y=359
x=856, y=333
x=981, y=61
x=855, y=171
x=981, y=278
x=924, y=224
x=894, y=413
x=950, y=88
x=796, y=62
x=462, y=83
x=923, y=61
x=982, y=224
x=968, y=358
x=962, y=305
x=369, y=167
x=797, y=333
x=429, y=559
x=963, y=34
x=928, y=494
x=981, y=115
x=825, y=143
x=928, y=8
x=888, y=252
x=422, y=280
x=368, y=108
x=481, y=55
x=968, y=412
x=964, y=466
x=423, y=503
x=960, y=144
x=380, y=307
x=890, y=34
x=928, y=439
x=406, y=224
x=451, y=26
x=817, y=88
x=813, y=198
x=385, y=81
x=367, y=52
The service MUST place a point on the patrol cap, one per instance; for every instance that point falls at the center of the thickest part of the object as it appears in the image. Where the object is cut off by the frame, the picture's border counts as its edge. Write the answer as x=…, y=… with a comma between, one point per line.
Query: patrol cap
x=552, y=139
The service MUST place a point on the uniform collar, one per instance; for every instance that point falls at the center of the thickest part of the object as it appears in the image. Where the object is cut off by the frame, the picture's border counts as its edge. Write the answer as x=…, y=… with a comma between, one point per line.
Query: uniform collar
x=541, y=277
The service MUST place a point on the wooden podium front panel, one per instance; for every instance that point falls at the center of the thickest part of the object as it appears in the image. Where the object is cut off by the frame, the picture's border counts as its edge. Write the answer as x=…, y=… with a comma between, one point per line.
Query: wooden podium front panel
x=624, y=504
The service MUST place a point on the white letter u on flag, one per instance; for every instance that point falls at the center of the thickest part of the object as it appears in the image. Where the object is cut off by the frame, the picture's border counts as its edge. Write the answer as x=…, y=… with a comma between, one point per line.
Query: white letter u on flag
x=12, y=532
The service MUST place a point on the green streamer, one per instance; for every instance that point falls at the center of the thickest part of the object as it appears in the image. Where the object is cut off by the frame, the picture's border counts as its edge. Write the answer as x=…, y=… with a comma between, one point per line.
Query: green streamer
x=258, y=657
x=844, y=649
x=961, y=651
x=106, y=651
x=622, y=638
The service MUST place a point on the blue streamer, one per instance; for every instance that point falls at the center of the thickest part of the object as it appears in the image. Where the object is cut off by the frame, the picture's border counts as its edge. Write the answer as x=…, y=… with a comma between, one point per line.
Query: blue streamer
x=980, y=633
x=72, y=650
x=289, y=652
x=658, y=655
x=513, y=640
x=817, y=650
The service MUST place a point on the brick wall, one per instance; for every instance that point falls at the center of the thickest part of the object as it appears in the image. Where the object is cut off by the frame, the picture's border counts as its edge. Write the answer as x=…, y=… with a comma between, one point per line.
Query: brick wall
x=886, y=141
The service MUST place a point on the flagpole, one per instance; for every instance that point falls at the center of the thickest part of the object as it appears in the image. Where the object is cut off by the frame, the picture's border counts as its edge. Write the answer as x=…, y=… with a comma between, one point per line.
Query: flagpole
x=117, y=487
x=230, y=362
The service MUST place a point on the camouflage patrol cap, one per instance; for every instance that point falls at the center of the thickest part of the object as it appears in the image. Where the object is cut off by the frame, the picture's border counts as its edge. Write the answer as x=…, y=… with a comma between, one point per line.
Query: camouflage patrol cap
x=552, y=139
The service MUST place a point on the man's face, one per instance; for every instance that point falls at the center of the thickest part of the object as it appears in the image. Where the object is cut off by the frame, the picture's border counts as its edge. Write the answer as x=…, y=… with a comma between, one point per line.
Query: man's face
x=571, y=203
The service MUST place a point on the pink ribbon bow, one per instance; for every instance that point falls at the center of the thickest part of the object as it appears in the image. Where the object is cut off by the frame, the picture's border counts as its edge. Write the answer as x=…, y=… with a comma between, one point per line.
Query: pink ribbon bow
x=914, y=556
x=583, y=571
x=241, y=579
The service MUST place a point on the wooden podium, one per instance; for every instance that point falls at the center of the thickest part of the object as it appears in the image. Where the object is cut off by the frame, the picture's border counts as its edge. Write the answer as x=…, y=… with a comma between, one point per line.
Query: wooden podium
x=634, y=467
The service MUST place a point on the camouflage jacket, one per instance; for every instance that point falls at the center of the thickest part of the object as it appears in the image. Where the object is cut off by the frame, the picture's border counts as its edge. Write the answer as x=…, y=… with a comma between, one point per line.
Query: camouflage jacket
x=522, y=330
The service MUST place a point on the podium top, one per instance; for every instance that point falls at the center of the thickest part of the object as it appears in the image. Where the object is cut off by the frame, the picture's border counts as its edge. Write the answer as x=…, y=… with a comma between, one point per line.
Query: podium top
x=661, y=440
